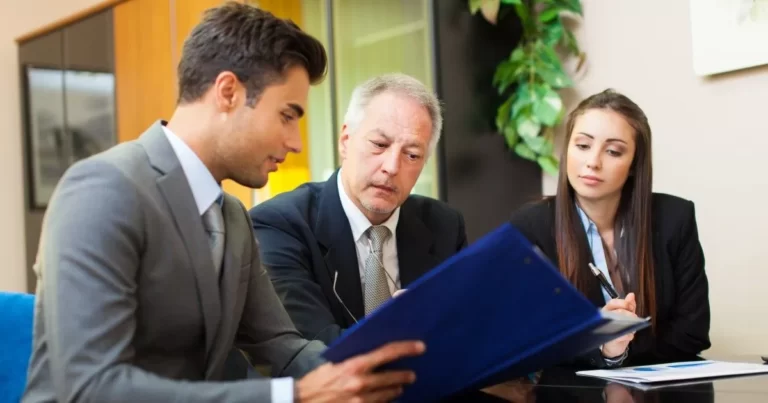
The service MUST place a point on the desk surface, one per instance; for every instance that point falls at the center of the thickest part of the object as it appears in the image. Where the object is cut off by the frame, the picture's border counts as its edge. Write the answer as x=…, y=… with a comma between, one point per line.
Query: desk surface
x=563, y=385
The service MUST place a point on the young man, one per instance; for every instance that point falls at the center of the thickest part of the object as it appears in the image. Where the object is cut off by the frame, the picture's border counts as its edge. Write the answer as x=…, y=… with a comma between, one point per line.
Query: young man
x=149, y=275
x=336, y=250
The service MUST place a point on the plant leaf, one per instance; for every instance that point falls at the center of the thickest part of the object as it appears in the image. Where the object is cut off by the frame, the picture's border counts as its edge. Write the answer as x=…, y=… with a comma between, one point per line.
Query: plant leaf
x=548, y=164
x=547, y=106
x=475, y=5
x=502, y=115
x=536, y=143
x=524, y=97
x=512, y=1
x=548, y=55
x=503, y=71
x=521, y=106
x=553, y=32
x=524, y=151
x=540, y=144
x=528, y=126
x=555, y=78
x=549, y=13
x=510, y=135
x=517, y=55
x=490, y=10
x=524, y=13
x=524, y=92
x=569, y=5
x=508, y=73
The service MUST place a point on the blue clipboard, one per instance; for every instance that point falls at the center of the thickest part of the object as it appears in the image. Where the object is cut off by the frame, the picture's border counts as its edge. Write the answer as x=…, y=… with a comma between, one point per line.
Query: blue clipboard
x=497, y=309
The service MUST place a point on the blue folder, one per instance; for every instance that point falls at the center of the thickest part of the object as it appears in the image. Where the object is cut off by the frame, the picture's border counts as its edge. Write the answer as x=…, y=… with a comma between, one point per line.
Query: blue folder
x=498, y=309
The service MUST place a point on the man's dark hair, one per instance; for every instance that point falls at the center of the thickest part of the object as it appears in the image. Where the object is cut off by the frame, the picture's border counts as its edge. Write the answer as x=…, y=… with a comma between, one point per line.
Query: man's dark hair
x=253, y=44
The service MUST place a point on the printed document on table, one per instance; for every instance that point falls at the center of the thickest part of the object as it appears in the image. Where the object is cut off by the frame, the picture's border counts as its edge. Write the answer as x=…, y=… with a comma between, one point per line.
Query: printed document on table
x=678, y=371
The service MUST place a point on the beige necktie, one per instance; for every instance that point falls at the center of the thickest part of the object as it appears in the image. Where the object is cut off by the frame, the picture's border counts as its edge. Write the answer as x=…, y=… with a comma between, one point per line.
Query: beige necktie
x=213, y=222
x=376, y=287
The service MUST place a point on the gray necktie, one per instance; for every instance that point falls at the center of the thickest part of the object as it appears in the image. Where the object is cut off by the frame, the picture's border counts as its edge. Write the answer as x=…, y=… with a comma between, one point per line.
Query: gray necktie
x=213, y=222
x=376, y=286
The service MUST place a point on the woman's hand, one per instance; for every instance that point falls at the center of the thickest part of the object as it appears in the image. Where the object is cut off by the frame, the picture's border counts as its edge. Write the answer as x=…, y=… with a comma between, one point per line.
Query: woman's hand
x=627, y=307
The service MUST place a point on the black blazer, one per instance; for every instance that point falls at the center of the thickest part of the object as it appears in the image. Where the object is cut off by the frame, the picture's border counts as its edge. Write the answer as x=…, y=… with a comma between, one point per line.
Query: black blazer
x=305, y=238
x=682, y=290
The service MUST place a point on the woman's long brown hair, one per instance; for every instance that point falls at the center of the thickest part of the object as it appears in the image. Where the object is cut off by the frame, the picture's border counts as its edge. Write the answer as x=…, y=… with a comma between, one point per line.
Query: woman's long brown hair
x=634, y=248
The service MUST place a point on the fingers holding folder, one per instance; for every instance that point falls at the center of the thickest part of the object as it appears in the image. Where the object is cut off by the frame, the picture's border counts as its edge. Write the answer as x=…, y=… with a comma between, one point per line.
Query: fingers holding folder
x=358, y=379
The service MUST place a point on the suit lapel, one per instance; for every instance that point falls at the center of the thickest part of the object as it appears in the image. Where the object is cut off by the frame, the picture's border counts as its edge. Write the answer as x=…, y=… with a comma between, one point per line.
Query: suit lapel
x=174, y=187
x=414, y=246
x=335, y=235
x=231, y=273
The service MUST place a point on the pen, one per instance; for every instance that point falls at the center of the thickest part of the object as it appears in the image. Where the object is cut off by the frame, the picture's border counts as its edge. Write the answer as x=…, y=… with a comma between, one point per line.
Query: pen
x=603, y=281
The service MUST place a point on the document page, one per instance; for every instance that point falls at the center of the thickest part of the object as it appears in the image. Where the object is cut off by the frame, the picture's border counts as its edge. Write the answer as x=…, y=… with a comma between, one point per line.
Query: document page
x=677, y=371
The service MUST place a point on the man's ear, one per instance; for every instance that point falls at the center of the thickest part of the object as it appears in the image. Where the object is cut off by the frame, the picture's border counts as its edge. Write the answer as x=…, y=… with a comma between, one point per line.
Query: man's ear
x=344, y=141
x=227, y=91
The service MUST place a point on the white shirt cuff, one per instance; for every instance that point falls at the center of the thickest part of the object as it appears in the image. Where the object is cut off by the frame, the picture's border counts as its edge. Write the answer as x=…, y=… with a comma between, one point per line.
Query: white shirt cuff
x=282, y=390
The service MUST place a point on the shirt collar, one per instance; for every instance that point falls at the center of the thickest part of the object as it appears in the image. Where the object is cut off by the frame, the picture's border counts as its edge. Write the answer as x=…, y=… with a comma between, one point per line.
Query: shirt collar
x=590, y=225
x=204, y=188
x=585, y=220
x=357, y=220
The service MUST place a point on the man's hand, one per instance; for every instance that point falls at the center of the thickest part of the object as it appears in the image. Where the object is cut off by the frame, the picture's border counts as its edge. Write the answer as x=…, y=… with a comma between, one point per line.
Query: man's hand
x=354, y=379
x=627, y=307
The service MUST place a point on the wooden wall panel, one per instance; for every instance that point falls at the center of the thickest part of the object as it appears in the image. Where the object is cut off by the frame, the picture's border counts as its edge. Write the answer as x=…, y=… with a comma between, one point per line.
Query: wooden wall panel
x=145, y=79
x=127, y=78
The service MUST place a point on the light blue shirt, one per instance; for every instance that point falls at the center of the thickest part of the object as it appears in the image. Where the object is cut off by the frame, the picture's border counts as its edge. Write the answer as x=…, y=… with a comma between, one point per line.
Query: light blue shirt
x=206, y=191
x=596, y=247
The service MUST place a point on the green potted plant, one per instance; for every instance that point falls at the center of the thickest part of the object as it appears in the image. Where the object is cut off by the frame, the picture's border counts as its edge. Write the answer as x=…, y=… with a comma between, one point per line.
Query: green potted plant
x=529, y=80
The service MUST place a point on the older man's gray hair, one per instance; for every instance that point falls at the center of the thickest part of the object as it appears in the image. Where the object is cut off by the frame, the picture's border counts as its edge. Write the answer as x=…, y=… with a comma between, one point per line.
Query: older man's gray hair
x=400, y=84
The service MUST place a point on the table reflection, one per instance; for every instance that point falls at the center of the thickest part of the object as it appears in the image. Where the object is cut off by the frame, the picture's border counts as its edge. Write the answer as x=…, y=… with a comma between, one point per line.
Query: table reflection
x=563, y=385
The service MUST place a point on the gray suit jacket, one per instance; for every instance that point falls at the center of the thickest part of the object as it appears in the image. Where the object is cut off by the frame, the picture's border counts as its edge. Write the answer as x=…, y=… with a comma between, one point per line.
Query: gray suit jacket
x=128, y=307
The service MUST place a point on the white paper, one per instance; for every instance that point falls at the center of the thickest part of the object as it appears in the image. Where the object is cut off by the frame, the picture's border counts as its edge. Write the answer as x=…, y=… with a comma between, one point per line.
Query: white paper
x=677, y=371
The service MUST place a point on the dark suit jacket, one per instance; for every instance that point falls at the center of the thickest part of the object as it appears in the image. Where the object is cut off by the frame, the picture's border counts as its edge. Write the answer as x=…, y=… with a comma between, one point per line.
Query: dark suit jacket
x=305, y=238
x=682, y=290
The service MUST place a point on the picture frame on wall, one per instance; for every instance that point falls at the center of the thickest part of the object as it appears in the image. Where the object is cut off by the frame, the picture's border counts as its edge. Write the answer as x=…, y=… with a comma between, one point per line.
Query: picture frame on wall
x=70, y=116
x=728, y=35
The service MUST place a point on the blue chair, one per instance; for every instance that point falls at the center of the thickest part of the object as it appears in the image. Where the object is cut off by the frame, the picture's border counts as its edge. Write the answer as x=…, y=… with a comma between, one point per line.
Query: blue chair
x=16, y=313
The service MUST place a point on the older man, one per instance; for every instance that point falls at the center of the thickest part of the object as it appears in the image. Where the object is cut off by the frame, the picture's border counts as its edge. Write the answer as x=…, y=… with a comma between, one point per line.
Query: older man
x=336, y=250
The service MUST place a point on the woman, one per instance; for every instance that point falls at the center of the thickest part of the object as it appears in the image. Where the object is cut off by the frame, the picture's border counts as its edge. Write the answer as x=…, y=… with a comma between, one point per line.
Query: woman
x=646, y=243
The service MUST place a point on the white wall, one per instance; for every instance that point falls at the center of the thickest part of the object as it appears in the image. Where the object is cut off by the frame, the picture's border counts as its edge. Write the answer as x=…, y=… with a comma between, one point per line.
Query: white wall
x=18, y=17
x=710, y=137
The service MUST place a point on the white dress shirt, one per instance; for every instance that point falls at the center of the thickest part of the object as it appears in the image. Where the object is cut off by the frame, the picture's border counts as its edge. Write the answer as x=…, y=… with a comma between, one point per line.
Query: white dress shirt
x=359, y=224
x=205, y=191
